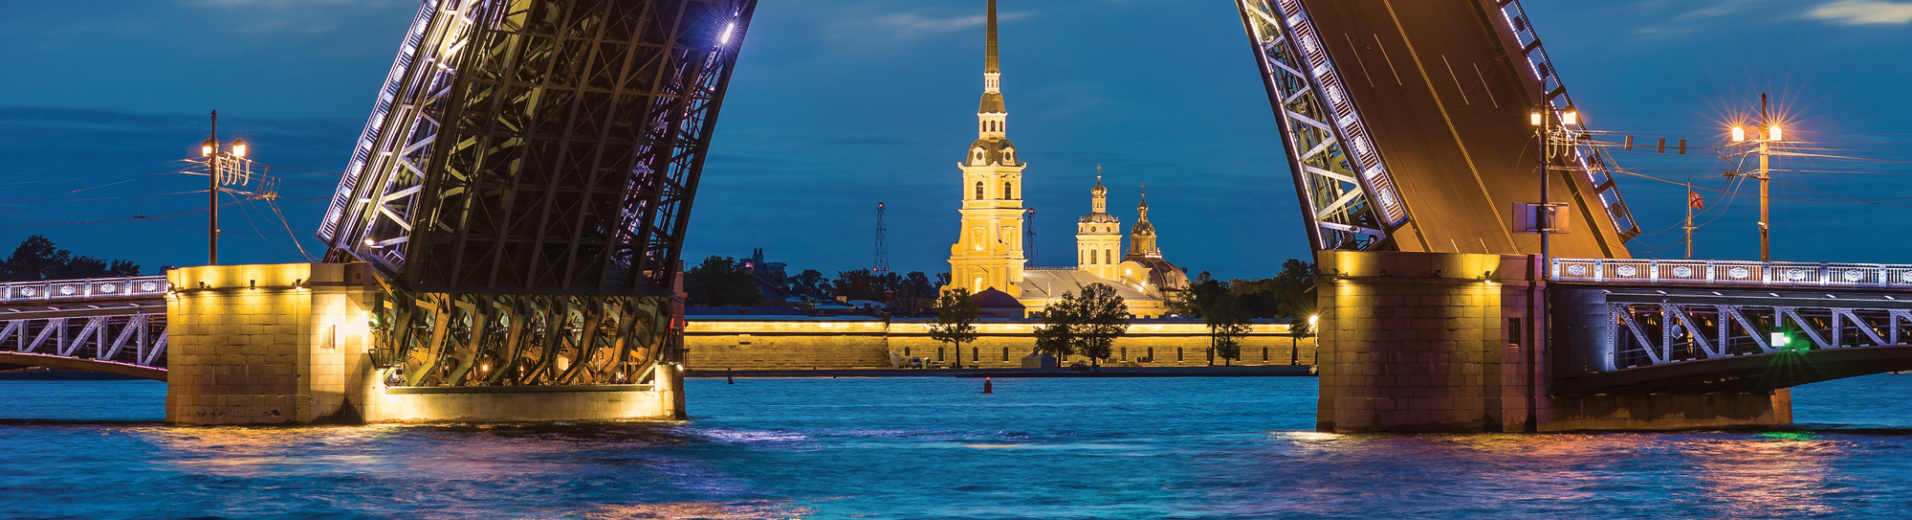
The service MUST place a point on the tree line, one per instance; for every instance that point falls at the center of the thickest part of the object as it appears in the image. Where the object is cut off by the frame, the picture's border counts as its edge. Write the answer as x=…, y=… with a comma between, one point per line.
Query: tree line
x=1088, y=324
x=721, y=281
x=38, y=259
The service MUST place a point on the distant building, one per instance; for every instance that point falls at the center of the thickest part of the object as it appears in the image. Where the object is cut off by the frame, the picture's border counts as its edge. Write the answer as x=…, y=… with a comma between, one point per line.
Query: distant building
x=769, y=276
x=988, y=253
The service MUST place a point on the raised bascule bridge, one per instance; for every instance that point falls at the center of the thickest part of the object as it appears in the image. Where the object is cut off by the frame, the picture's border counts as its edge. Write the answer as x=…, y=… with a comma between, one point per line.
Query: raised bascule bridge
x=1414, y=133
x=505, y=241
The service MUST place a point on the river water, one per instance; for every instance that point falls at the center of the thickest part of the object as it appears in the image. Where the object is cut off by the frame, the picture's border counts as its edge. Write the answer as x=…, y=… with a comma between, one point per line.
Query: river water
x=937, y=448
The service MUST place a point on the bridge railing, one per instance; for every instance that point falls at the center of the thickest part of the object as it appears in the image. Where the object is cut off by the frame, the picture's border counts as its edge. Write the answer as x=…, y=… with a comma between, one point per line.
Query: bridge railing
x=82, y=289
x=1732, y=273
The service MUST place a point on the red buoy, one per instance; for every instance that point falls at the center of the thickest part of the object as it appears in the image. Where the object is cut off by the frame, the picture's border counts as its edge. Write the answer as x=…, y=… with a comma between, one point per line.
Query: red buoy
x=986, y=386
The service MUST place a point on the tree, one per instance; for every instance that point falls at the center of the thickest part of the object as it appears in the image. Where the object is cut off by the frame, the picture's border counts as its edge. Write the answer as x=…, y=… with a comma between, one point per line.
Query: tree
x=1295, y=288
x=810, y=284
x=1224, y=312
x=1104, y=316
x=720, y=281
x=1056, y=336
x=956, y=317
x=1228, y=322
x=38, y=259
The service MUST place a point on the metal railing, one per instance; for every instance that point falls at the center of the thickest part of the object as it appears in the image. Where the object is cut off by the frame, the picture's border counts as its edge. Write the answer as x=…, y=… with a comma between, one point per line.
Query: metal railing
x=1732, y=273
x=83, y=289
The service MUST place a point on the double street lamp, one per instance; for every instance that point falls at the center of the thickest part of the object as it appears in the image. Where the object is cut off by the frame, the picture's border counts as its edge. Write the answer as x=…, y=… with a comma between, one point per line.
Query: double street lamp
x=1764, y=140
x=221, y=160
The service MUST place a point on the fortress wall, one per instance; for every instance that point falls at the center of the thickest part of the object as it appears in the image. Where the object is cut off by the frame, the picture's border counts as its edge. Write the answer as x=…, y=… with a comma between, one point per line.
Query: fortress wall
x=770, y=343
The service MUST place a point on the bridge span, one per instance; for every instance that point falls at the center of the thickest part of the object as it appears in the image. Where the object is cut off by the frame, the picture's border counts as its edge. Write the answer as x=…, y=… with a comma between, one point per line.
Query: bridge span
x=110, y=325
x=1651, y=326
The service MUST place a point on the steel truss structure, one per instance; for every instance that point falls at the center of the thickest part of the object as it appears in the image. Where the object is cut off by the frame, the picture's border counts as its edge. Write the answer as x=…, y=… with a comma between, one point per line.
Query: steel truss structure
x=1648, y=334
x=136, y=336
x=490, y=339
x=538, y=146
x=1340, y=205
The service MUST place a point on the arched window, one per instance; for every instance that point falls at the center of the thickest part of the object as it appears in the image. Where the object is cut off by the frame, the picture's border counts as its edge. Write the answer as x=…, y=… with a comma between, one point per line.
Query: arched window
x=1108, y=256
x=975, y=354
x=1092, y=258
x=1005, y=353
x=1008, y=193
x=939, y=353
x=979, y=190
x=1178, y=353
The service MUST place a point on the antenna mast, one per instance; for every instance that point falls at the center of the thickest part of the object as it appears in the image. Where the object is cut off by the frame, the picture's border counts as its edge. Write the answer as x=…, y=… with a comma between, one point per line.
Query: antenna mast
x=1029, y=235
x=882, y=264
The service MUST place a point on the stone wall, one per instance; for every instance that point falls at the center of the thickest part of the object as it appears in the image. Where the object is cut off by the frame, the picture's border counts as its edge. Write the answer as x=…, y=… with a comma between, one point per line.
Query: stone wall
x=796, y=343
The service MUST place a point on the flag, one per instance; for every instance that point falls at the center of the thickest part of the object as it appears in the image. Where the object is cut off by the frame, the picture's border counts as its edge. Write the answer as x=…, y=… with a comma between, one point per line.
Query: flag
x=1694, y=200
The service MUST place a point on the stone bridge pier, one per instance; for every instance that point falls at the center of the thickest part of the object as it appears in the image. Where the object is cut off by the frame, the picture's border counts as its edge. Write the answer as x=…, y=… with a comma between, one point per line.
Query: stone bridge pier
x=1440, y=342
x=291, y=344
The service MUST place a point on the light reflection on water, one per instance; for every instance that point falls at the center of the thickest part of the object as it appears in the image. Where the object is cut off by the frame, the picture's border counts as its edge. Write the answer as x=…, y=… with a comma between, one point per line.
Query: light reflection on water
x=937, y=448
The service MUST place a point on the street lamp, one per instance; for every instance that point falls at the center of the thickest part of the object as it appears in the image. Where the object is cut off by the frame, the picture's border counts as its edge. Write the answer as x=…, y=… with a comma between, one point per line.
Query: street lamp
x=1772, y=135
x=218, y=160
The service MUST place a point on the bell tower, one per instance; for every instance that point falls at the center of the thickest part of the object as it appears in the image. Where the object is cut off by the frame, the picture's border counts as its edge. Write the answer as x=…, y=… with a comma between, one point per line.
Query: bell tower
x=988, y=251
x=1099, y=234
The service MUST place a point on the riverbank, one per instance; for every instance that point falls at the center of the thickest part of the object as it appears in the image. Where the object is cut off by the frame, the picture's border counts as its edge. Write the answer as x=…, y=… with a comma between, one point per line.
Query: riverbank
x=1217, y=371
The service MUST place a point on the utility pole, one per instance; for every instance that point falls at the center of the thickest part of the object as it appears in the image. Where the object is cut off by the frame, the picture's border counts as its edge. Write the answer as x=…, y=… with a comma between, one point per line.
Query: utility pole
x=1543, y=121
x=1765, y=220
x=1689, y=220
x=220, y=163
x=1764, y=137
x=212, y=193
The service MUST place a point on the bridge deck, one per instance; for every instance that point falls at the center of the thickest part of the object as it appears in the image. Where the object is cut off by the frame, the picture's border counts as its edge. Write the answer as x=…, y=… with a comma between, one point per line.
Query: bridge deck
x=1448, y=109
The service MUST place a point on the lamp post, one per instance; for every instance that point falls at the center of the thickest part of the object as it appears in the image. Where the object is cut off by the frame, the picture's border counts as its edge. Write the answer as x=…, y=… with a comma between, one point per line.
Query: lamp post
x=1772, y=135
x=215, y=153
x=1542, y=119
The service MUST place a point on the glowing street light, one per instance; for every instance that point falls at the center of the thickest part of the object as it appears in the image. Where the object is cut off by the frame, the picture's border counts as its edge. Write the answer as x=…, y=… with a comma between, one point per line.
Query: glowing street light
x=218, y=160
x=724, y=39
x=1570, y=117
x=1773, y=133
x=1739, y=134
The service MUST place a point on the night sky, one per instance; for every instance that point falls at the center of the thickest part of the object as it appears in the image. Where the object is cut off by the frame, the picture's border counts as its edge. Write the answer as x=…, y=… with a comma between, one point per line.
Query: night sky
x=839, y=104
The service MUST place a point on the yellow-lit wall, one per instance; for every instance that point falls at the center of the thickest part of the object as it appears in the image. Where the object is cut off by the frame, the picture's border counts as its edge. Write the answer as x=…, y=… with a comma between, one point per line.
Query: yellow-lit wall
x=802, y=343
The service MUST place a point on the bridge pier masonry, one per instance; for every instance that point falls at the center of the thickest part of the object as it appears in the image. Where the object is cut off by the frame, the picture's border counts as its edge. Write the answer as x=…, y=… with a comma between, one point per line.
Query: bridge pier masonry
x=290, y=344
x=1440, y=342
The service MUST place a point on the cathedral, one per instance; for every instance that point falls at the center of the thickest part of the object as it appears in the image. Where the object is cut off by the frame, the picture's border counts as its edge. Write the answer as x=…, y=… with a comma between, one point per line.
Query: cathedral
x=987, y=257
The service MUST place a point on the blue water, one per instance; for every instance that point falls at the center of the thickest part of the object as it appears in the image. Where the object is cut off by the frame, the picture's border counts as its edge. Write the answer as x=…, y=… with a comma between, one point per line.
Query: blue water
x=936, y=448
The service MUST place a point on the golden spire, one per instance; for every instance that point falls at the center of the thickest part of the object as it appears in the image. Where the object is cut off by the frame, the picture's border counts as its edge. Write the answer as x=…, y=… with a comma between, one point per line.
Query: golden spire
x=989, y=58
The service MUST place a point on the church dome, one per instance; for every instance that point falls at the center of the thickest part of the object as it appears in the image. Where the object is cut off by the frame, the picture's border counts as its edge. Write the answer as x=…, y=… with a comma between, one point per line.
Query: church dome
x=1099, y=218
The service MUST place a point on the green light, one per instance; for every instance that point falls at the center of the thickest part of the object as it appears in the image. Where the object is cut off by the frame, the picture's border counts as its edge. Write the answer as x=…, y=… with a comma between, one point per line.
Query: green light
x=1780, y=339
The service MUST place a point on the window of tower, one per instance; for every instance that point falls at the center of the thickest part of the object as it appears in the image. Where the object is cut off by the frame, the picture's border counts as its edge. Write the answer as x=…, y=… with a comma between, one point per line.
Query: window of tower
x=1108, y=256
x=979, y=190
x=979, y=156
x=1008, y=192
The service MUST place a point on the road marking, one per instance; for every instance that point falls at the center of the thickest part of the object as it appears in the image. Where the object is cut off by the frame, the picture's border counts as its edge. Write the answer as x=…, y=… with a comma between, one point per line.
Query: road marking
x=1384, y=55
x=1483, y=85
x=1505, y=231
x=1358, y=60
x=1457, y=80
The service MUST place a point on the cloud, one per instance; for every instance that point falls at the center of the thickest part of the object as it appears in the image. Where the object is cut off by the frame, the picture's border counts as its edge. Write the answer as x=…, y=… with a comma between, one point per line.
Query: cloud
x=1863, y=12
x=917, y=25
